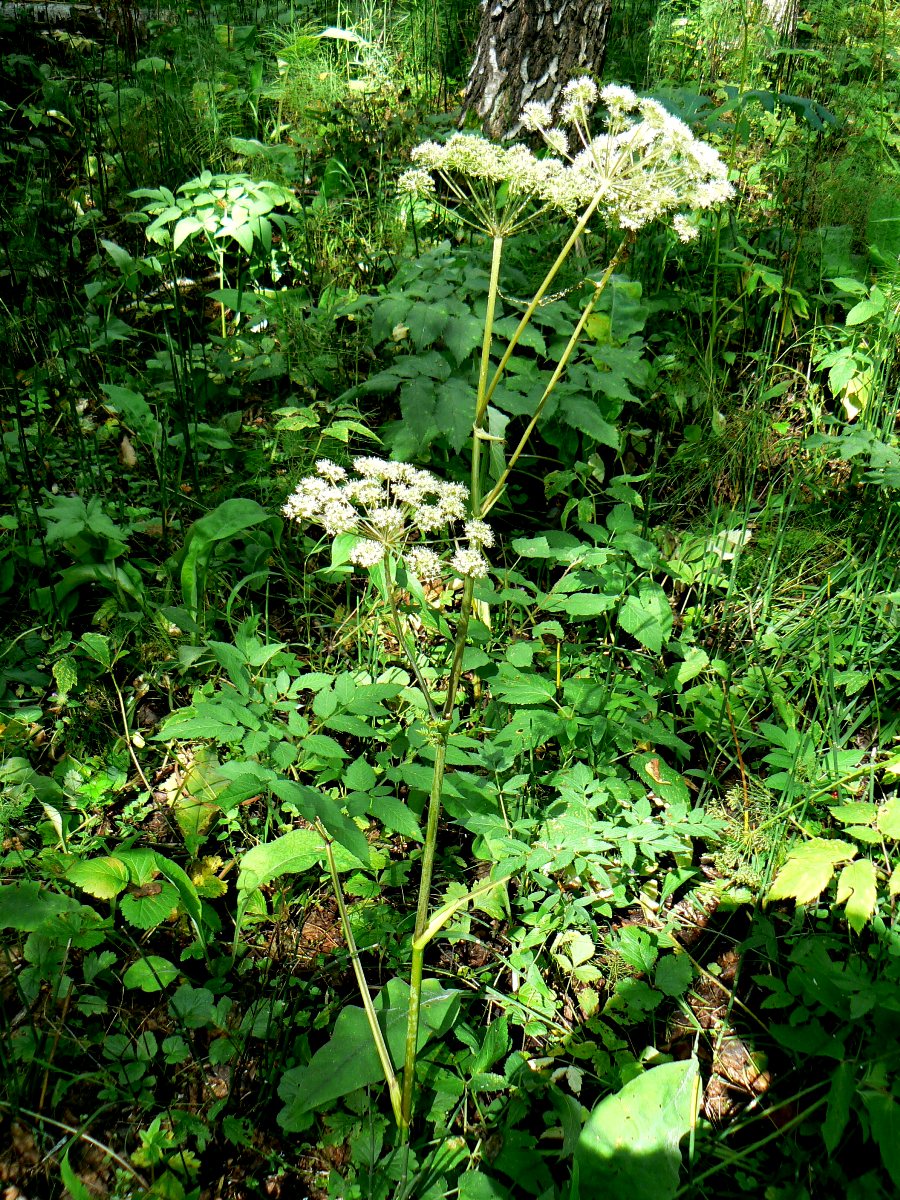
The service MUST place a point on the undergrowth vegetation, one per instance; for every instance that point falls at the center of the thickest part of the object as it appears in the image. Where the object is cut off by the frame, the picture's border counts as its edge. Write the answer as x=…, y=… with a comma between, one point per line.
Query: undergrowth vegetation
x=450, y=648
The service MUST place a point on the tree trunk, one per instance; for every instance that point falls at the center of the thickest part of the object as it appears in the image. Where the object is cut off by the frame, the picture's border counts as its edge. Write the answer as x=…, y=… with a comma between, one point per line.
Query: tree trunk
x=782, y=16
x=529, y=50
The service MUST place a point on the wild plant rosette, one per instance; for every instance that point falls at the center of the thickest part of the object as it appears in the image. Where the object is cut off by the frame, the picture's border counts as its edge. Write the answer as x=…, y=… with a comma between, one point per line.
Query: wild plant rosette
x=646, y=166
x=394, y=510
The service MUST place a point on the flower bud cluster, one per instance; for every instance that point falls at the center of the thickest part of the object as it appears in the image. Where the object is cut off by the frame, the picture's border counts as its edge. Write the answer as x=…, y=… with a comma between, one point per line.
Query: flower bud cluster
x=646, y=166
x=392, y=508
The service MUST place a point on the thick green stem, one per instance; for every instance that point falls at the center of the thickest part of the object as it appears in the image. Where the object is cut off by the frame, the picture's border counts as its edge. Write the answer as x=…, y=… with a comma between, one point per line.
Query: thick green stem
x=429, y=850
x=529, y=312
x=497, y=490
x=484, y=368
x=384, y=1056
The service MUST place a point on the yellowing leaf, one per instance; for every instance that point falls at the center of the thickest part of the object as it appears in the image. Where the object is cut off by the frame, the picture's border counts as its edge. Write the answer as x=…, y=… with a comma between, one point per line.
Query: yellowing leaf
x=857, y=886
x=894, y=881
x=100, y=877
x=809, y=868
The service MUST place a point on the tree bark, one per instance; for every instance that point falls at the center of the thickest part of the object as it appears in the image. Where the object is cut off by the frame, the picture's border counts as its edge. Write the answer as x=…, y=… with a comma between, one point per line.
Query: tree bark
x=528, y=50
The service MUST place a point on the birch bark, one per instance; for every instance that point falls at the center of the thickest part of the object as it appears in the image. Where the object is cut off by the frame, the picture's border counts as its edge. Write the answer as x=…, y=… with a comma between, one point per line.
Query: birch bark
x=529, y=50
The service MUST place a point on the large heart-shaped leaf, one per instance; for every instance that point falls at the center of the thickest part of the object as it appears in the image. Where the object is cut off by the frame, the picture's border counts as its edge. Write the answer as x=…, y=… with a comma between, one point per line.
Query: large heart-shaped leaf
x=628, y=1150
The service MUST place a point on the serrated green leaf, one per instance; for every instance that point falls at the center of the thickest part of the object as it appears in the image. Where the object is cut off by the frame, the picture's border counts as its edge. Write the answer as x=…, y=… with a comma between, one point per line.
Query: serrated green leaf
x=858, y=888
x=889, y=819
x=426, y=322
x=856, y=813
x=96, y=646
x=99, y=877
x=809, y=869
x=462, y=335
x=454, y=411
x=65, y=672
x=674, y=973
x=394, y=815
x=155, y=903
x=583, y=414
x=647, y=617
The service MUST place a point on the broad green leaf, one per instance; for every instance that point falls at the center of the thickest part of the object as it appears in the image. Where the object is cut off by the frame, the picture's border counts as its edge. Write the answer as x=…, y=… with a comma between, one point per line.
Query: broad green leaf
x=475, y=1185
x=583, y=414
x=192, y=1007
x=840, y=1095
x=889, y=819
x=394, y=815
x=884, y=1117
x=858, y=887
x=662, y=779
x=150, y=974
x=349, y=1060
x=695, y=660
x=514, y=687
x=184, y=229
x=313, y=803
x=629, y=1148
x=289, y=854
x=580, y=604
x=454, y=411
x=856, y=813
x=26, y=906
x=426, y=322
x=809, y=868
x=99, y=877
x=150, y=905
x=320, y=745
x=226, y=521
x=65, y=672
x=647, y=617
x=462, y=335
x=96, y=646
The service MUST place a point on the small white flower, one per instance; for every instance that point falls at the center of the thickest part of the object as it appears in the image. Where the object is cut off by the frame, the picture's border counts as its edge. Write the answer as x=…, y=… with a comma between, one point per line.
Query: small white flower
x=367, y=553
x=388, y=520
x=373, y=468
x=423, y=563
x=686, y=227
x=338, y=517
x=415, y=183
x=330, y=470
x=536, y=116
x=558, y=141
x=479, y=533
x=618, y=98
x=469, y=562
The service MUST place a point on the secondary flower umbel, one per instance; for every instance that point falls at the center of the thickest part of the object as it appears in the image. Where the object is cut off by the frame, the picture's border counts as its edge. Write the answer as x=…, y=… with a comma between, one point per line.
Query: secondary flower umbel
x=392, y=507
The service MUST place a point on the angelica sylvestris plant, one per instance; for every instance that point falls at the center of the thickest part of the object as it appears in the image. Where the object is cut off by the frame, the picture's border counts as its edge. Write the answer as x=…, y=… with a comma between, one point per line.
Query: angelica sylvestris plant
x=403, y=518
x=647, y=166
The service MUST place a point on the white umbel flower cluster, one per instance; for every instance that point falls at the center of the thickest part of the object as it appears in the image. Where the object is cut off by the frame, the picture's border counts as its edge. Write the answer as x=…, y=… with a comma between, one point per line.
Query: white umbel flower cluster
x=392, y=507
x=646, y=166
